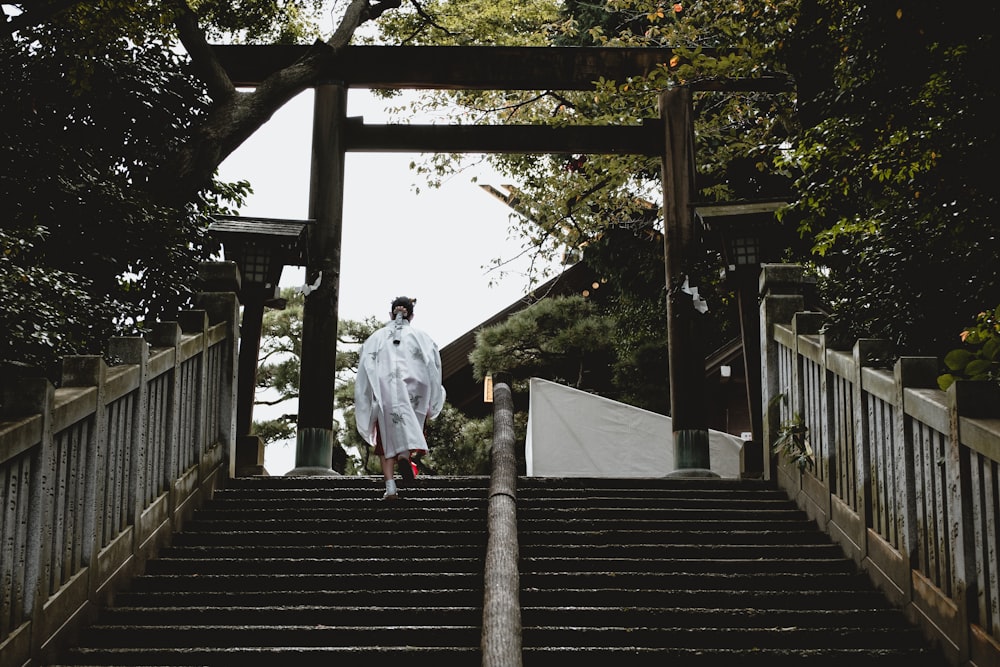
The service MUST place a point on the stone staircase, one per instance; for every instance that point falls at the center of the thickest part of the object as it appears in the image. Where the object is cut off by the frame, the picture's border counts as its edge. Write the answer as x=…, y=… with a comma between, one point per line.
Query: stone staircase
x=310, y=571
x=694, y=572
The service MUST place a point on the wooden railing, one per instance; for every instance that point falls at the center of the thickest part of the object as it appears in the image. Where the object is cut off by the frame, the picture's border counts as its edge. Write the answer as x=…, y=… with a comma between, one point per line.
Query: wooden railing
x=96, y=475
x=501, y=631
x=906, y=476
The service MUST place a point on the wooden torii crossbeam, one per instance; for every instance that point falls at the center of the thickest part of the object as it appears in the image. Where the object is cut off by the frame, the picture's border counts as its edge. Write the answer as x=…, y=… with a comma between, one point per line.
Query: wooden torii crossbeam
x=484, y=68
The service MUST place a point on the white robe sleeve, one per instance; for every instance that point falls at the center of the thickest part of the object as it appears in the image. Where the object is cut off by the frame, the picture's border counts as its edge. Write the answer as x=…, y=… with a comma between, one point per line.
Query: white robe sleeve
x=366, y=390
x=437, y=393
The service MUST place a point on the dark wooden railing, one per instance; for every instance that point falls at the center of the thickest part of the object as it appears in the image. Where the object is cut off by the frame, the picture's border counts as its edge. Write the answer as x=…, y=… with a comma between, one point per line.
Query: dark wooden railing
x=905, y=476
x=96, y=475
x=501, y=633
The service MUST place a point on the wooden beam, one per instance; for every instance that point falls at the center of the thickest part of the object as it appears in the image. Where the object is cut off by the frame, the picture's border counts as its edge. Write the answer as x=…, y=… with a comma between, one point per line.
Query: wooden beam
x=645, y=139
x=451, y=67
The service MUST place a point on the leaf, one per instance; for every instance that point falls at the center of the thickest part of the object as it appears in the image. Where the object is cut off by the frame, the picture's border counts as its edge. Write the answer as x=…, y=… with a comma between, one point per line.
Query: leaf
x=945, y=381
x=978, y=368
x=957, y=360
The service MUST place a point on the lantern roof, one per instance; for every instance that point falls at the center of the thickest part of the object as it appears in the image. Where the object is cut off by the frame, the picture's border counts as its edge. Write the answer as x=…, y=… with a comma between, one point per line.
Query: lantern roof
x=285, y=239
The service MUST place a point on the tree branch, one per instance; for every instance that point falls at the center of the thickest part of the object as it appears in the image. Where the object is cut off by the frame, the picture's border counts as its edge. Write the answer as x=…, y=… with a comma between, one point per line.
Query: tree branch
x=358, y=11
x=206, y=65
x=429, y=20
x=276, y=401
x=235, y=116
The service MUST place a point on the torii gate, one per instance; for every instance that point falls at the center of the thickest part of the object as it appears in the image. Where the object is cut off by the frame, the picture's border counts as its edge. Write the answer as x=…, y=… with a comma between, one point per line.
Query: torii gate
x=670, y=137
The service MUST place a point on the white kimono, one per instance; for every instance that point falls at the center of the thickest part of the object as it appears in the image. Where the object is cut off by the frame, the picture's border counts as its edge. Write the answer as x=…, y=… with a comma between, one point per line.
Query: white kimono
x=398, y=387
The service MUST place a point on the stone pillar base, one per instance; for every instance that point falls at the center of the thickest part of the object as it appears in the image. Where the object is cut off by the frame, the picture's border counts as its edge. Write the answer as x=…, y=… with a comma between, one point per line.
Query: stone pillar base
x=313, y=453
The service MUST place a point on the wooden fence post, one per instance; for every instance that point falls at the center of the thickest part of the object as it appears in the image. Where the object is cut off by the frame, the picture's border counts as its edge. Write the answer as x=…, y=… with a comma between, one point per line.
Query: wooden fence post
x=224, y=307
x=35, y=396
x=966, y=399
x=91, y=371
x=134, y=351
x=917, y=373
x=781, y=292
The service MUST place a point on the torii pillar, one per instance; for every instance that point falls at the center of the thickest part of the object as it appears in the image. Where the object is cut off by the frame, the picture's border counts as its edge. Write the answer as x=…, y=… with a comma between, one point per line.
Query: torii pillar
x=316, y=439
x=686, y=355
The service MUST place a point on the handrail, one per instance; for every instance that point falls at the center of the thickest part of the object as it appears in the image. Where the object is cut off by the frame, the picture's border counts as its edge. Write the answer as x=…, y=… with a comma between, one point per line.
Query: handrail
x=97, y=474
x=906, y=476
x=501, y=633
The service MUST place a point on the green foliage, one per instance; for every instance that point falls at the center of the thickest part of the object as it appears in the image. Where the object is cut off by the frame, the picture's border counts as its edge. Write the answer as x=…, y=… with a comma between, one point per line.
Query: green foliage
x=471, y=22
x=979, y=358
x=458, y=445
x=792, y=441
x=275, y=430
x=281, y=346
x=562, y=339
x=90, y=112
x=898, y=106
x=262, y=21
x=44, y=313
x=572, y=199
x=630, y=261
x=793, y=445
x=280, y=362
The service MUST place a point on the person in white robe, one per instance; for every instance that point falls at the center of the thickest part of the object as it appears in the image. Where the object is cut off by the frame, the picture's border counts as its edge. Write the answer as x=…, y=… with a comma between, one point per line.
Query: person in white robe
x=398, y=387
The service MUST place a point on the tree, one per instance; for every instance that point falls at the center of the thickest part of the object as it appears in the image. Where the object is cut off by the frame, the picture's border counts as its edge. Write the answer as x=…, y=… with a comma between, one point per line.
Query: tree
x=898, y=109
x=569, y=200
x=458, y=445
x=88, y=120
x=278, y=372
x=560, y=338
x=112, y=135
x=885, y=136
x=630, y=261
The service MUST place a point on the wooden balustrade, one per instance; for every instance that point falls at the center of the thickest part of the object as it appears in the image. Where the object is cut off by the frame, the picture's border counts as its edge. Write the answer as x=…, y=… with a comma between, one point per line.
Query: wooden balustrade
x=905, y=476
x=97, y=474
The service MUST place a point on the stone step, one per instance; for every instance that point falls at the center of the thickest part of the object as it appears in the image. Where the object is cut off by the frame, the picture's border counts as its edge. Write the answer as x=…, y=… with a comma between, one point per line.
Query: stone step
x=689, y=514
x=632, y=504
x=717, y=636
x=415, y=594
x=533, y=656
x=668, y=550
x=397, y=525
x=248, y=581
x=305, y=566
x=848, y=598
x=360, y=536
x=299, y=656
x=373, y=508
x=294, y=613
x=248, y=549
x=527, y=485
x=351, y=486
x=633, y=656
x=412, y=632
x=680, y=532
x=708, y=564
x=576, y=580
x=668, y=615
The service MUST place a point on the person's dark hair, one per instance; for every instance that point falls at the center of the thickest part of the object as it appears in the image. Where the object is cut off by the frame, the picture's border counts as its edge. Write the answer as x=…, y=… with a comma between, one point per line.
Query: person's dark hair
x=404, y=301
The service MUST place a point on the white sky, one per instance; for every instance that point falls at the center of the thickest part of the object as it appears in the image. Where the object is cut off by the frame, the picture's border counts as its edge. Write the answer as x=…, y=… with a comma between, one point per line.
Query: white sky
x=433, y=245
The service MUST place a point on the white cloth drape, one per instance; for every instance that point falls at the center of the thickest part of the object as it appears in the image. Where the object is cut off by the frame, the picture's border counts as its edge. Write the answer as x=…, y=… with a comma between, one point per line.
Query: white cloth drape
x=575, y=434
x=398, y=387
